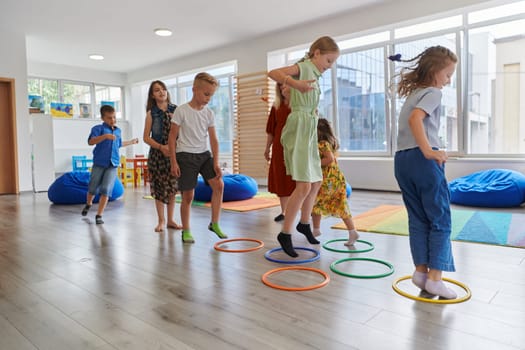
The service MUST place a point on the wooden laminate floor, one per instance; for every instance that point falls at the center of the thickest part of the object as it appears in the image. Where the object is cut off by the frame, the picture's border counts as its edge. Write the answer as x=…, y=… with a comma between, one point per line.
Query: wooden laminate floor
x=66, y=283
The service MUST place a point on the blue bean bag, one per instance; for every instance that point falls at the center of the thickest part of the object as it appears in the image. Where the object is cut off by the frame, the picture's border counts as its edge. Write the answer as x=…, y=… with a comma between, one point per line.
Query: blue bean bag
x=348, y=190
x=236, y=188
x=494, y=188
x=72, y=187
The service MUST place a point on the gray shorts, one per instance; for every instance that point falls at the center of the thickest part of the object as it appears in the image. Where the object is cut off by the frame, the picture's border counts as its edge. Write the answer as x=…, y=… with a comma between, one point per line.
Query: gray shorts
x=191, y=165
x=102, y=179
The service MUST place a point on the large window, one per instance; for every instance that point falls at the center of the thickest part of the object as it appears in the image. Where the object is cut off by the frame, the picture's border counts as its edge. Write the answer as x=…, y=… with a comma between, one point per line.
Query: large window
x=449, y=125
x=495, y=120
x=46, y=89
x=111, y=95
x=482, y=109
x=180, y=88
x=362, y=123
x=85, y=98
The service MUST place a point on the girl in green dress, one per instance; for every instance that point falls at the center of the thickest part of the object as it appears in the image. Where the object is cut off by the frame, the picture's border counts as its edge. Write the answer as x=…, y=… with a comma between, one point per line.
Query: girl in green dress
x=299, y=136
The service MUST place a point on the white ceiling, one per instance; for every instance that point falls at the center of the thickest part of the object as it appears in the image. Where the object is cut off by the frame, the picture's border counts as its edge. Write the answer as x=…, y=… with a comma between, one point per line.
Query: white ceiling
x=66, y=31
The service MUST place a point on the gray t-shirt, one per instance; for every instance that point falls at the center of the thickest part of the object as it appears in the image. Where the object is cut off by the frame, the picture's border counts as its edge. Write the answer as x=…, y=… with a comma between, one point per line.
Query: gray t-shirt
x=429, y=100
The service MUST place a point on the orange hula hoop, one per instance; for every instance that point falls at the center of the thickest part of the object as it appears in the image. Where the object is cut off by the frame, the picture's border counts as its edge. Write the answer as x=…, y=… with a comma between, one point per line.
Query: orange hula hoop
x=295, y=289
x=251, y=249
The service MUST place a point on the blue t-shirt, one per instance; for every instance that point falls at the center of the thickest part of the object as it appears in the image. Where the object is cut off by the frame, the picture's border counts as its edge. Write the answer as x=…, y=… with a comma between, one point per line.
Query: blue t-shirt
x=106, y=153
x=429, y=100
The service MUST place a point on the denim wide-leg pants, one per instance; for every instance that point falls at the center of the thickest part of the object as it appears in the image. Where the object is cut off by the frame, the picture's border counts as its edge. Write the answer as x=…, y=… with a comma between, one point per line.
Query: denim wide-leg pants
x=427, y=199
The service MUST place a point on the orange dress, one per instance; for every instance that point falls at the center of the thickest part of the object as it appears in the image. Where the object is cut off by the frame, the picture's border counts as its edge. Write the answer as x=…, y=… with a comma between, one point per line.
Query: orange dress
x=278, y=182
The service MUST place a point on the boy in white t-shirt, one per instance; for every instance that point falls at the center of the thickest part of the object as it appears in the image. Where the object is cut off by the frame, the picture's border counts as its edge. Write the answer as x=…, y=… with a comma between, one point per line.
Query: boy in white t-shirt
x=193, y=122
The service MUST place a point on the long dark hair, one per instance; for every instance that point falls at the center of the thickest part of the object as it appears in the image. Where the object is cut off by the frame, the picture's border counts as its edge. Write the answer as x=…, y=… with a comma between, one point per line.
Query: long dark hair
x=326, y=133
x=151, y=100
x=422, y=72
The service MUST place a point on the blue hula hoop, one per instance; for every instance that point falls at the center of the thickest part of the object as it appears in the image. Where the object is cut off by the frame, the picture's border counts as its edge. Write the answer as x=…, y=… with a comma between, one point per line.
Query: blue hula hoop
x=304, y=261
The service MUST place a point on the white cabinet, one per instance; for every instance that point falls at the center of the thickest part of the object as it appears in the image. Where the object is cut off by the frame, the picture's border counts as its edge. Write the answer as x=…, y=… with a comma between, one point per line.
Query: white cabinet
x=43, y=153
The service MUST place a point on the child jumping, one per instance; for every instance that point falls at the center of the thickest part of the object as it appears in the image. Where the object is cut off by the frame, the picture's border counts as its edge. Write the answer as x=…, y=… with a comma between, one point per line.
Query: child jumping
x=331, y=198
x=420, y=167
x=299, y=136
x=106, y=159
x=192, y=123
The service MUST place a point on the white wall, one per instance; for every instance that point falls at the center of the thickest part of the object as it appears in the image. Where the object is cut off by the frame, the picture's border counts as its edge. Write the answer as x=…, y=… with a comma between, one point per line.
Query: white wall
x=378, y=173
x=251, y=55
x=12, y=65
x=71, y=139
x=60, y=71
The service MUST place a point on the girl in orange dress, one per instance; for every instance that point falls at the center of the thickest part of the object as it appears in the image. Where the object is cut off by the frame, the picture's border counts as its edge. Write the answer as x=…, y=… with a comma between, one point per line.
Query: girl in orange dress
x=331, y=198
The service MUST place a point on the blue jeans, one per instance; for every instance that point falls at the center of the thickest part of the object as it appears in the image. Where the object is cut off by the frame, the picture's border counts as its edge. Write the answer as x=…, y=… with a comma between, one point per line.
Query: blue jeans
x=427, y=199
x=102, y=179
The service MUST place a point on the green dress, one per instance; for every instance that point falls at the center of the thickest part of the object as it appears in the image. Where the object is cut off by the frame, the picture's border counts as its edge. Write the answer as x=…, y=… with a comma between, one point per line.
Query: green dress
x=299, y=135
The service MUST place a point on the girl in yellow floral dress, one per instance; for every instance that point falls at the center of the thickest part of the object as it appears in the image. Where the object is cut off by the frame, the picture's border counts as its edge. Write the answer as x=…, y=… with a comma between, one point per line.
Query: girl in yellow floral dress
x=331, y=198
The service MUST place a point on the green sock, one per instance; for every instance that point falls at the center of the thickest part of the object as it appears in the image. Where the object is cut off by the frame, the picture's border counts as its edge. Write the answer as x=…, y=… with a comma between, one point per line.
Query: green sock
x=214, y=227
x=187, y=237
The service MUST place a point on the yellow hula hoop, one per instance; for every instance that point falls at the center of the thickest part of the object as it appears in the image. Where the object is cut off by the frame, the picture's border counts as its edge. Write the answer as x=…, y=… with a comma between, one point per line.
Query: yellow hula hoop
x=466, y=297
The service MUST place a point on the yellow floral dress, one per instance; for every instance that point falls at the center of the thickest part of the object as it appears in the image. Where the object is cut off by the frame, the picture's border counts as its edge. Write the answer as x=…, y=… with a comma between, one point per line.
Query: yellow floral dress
x=331, y=198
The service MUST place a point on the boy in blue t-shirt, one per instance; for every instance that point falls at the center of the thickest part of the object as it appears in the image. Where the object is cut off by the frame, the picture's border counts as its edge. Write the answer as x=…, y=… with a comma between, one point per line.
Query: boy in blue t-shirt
x=107, y=140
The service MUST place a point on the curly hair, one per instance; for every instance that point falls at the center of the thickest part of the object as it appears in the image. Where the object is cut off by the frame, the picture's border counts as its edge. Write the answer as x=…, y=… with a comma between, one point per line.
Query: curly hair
x=422, y=72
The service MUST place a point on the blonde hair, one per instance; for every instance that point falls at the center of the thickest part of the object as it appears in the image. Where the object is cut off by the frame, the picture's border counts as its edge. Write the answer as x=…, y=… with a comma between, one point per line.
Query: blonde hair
x=205, y=77
x=279, y=97
x=324, y=44
x=422, y=72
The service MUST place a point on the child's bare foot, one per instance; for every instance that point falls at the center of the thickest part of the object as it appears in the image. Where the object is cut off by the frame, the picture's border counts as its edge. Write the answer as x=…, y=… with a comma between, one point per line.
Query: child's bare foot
x=352, y=237
x=316, y=232
x=174, y=225
x=159, y=227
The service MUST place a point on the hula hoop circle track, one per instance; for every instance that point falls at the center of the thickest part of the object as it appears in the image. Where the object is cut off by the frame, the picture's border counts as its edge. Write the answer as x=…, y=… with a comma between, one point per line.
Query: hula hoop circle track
x=388, y=273
x=316, y=257
x=370, y=248
x=295, y=289
x=467, y=296
x=217, y=245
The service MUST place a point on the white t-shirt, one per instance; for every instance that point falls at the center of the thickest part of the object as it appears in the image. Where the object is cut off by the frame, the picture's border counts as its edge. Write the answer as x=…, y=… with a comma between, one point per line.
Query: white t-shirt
x=193, y=128
x=429, y=100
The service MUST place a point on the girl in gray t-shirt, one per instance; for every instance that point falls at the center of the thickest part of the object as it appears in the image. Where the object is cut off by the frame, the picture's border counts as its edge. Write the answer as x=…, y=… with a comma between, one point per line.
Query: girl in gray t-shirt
x=419, y=167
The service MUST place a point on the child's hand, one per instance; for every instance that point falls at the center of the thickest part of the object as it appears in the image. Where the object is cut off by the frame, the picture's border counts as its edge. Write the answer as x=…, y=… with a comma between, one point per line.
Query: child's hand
x=165, y=150
x=218, y=170
x=267, y=154
x=439, y=156
x=110, y=137
x=135, y=140
x=305, y=85
x=175, y=170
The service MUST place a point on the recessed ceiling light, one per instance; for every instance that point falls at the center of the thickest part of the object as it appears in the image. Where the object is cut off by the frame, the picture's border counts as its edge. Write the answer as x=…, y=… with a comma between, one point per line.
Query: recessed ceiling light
x=96, y=57
x=163, y=32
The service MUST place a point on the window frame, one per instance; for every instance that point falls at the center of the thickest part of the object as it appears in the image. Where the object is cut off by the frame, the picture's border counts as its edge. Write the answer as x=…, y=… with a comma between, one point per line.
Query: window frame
x=461, y=31
x=92, y=93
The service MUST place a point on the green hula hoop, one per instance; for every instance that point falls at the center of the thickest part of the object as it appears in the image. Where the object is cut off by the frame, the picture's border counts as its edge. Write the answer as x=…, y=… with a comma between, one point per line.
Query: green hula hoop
x=388, y=273
x=370, y=248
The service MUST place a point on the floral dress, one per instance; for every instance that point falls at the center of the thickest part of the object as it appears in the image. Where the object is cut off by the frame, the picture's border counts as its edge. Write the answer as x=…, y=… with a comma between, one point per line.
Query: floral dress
x=163, y=185
x=331, y=198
